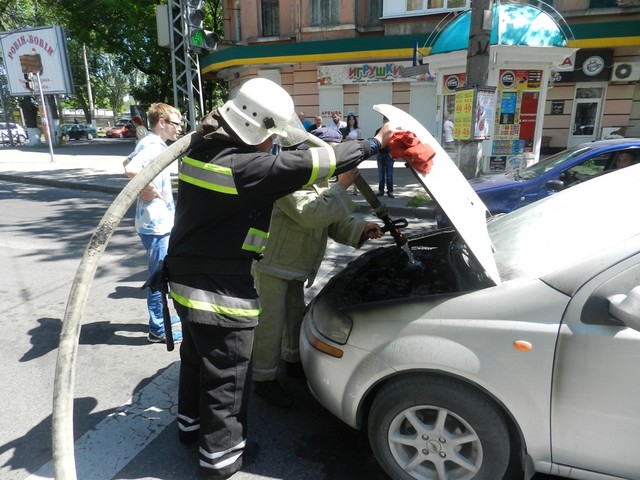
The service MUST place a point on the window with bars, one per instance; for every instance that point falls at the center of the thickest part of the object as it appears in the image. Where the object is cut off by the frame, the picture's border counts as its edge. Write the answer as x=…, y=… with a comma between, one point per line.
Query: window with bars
x=270, y=10
x=325, y=12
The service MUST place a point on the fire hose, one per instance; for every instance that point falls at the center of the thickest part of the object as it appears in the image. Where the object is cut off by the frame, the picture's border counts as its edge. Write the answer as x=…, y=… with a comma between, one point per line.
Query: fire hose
x=62, y=417
x=380, y=211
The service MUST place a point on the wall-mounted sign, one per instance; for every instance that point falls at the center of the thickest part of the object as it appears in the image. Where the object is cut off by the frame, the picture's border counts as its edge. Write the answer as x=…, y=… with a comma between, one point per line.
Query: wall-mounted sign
x=450, y=83
x=41, y=51
x=368, y=73
x=589, y=66
x=557, y=107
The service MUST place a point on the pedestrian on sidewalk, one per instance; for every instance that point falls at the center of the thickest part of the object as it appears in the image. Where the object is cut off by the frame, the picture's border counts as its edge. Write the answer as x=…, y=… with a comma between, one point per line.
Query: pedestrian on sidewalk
x=301, y=223
x=155, y=207
x=385, y=168
x=227, y=187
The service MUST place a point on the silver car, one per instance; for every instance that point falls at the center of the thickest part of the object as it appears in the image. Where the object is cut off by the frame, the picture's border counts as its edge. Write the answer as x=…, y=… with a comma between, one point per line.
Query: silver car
x=461, y=366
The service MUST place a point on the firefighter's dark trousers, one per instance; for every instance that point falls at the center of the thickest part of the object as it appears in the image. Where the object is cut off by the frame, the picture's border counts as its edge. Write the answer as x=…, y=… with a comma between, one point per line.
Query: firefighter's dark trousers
x=215, y=374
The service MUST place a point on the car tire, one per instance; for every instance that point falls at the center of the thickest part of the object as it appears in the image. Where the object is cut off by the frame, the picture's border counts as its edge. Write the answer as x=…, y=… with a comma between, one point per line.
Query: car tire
x=22, y=139
x=121, y=135
x=414, y=423
x=89, y=136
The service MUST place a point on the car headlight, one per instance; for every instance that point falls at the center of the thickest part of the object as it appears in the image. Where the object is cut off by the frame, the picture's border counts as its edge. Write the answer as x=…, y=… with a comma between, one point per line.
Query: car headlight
x=330, y=322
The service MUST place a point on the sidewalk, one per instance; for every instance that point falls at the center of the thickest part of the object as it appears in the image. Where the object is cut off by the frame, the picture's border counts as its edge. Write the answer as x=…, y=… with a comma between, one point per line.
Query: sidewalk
x=96, y=165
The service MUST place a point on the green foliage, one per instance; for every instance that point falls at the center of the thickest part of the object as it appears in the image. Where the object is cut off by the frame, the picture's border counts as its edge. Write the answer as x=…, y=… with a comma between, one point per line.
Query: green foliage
x=419, y=200
x=122, y=50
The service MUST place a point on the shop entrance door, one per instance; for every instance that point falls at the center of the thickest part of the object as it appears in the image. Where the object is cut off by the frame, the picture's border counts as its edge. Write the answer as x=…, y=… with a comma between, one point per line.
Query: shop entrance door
x=586, y=115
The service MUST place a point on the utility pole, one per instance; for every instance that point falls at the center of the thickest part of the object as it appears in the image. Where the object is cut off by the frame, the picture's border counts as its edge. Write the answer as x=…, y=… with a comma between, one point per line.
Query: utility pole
x=477, y=74
x=185, y=66
x=89, y=94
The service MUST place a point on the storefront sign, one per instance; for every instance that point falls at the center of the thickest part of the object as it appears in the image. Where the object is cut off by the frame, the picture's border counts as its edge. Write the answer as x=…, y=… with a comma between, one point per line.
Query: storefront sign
x=368, y=73
x=450, y=83
x=41, y=52
x=590, y=66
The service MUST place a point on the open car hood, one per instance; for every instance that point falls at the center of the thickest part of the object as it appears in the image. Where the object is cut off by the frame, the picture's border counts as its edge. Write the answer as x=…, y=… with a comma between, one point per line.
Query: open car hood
x=448, y=187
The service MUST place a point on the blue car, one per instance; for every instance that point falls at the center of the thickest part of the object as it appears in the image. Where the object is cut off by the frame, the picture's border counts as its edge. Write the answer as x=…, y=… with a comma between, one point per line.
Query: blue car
x=505, y=192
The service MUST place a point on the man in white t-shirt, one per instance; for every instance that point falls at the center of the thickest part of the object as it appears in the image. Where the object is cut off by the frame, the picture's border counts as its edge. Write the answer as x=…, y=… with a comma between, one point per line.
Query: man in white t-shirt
x=155, y=208
x=337, y=123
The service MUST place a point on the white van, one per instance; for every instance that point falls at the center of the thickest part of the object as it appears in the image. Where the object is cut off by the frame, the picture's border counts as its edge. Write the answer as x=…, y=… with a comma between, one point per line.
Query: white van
x=18, y=133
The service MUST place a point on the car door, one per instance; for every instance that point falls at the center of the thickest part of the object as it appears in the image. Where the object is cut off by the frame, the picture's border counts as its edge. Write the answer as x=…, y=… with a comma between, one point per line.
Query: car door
x=595, y=418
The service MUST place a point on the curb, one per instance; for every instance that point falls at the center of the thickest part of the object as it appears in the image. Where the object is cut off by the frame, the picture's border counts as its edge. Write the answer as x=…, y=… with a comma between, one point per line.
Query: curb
x=427, y=212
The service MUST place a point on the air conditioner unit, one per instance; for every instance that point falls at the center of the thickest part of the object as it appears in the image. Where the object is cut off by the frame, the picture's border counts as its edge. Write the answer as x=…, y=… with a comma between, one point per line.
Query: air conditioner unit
x=625, y=72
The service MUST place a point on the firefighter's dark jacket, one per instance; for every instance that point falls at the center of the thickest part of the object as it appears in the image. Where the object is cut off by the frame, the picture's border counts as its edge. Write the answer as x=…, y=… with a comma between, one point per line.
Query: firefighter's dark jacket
x=226, y=192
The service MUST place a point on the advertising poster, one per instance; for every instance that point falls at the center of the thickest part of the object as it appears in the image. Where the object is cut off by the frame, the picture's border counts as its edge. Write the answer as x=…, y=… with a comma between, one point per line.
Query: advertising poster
x=516, y=115
x=484, y=112
x=463, y=121
x=37, y=52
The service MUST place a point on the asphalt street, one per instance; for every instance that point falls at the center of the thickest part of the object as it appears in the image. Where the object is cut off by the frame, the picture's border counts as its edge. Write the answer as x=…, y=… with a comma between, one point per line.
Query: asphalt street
x=126, y=391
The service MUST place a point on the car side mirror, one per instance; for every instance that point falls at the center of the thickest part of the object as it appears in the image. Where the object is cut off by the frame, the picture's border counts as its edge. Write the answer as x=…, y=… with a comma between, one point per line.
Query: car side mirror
x=555, y=185
x=626, y=308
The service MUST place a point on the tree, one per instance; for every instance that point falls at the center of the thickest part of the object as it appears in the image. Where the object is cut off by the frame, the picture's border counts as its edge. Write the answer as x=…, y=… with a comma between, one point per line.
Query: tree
x=121, y=40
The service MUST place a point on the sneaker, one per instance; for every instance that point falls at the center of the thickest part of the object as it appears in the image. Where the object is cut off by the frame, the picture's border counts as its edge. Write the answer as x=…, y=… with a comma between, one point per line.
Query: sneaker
x=294, y=369
x=380, y=194
x=390, y=195
x=272, y=392
x=175, y=319
x=153, y=338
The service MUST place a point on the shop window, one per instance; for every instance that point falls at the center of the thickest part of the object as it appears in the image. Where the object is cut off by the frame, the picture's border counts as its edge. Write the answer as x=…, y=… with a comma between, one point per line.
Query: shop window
x=325, y=12
x=270, y=10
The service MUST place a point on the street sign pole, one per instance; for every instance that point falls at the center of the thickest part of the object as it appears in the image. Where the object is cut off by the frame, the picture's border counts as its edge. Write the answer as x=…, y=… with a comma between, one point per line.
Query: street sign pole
x=46, y=119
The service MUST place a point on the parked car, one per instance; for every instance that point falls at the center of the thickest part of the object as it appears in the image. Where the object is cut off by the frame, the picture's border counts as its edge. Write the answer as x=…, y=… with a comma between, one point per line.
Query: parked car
x=76, y=131
x=463, y=365
x=510, y=190
x=18, y=133
x=122, y=129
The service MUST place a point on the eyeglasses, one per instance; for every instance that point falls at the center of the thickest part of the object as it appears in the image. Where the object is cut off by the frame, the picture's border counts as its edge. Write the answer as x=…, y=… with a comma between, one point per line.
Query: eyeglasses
x=176, y=124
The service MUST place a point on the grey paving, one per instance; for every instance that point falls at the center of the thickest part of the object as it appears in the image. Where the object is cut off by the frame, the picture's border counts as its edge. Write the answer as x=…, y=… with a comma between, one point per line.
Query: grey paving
x=96, y=165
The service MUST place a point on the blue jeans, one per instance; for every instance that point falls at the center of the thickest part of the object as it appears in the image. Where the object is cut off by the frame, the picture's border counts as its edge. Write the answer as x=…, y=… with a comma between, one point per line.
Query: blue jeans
x=156, y=246
x=385, y=172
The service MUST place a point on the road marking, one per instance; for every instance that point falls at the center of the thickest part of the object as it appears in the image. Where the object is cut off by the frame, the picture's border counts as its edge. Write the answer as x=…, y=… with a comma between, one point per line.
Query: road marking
x=101, y=453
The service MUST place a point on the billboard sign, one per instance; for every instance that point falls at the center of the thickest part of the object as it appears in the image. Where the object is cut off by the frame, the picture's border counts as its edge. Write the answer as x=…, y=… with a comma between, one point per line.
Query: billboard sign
x=32, y=52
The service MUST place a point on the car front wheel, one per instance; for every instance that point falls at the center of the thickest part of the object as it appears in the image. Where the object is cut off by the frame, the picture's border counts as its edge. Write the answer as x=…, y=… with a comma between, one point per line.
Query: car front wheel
x=89, y=136
x=438, y=429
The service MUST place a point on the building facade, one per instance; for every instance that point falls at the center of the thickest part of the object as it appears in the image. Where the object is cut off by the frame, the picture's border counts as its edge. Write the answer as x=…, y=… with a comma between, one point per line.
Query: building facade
x=345, y=56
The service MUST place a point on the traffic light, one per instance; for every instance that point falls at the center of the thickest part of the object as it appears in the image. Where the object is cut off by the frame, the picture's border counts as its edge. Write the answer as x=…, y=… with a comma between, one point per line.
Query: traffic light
x=198, y=38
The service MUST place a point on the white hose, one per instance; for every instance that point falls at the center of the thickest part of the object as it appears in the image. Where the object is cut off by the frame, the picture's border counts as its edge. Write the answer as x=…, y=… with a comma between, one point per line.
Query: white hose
x=62, y=418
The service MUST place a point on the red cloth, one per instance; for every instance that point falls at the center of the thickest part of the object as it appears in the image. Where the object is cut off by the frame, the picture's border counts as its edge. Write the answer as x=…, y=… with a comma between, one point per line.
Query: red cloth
x=407, y=146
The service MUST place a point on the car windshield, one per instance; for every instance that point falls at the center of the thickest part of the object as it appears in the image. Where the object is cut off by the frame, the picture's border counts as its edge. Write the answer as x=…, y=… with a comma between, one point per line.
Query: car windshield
x=551, y=162
x=567, y=227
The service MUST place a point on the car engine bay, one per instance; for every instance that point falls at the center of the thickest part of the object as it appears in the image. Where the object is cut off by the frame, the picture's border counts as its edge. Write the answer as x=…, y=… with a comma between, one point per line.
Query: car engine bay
x=442, y=265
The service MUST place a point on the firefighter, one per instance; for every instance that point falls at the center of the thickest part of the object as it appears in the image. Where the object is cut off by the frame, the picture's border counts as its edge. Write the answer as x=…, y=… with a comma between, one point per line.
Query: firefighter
x=227, y=187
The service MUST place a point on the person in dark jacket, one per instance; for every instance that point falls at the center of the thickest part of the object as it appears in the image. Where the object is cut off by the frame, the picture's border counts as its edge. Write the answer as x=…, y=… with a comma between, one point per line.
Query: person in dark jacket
x=227, y=187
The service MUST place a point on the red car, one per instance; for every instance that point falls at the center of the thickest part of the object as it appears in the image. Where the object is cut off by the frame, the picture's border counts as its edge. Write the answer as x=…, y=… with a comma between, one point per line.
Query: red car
x=122, y=129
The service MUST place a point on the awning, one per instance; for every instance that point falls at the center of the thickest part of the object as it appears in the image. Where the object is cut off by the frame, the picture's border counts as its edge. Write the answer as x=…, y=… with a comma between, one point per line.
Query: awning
x=513, y=25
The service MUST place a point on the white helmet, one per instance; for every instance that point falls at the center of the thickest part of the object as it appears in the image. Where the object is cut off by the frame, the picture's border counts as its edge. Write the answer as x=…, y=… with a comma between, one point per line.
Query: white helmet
x=262, y=108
